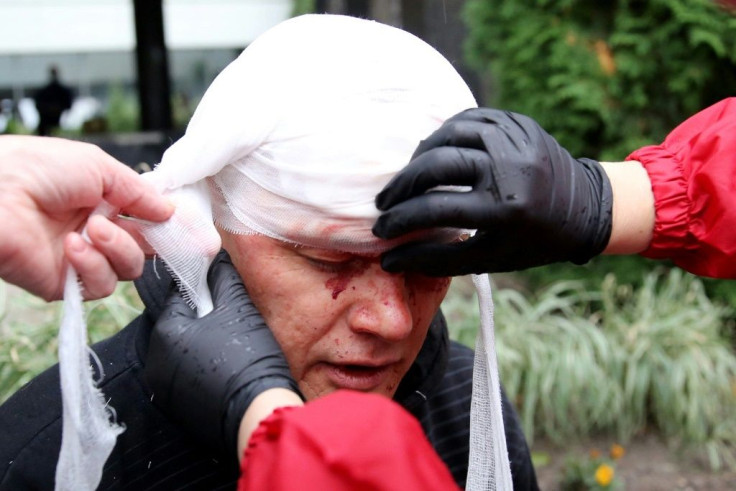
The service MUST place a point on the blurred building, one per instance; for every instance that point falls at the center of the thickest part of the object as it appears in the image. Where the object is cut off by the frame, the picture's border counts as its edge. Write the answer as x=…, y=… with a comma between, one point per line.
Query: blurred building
x=92, y=42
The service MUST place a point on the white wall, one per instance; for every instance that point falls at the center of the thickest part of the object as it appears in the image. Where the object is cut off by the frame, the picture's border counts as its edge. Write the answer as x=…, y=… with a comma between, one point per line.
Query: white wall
x=92, y=42
x=53, y=26
x=34, y=32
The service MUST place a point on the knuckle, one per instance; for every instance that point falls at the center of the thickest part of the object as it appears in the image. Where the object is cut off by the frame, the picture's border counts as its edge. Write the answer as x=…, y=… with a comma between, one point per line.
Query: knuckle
x=450, y=128
x=447, y=154
x=469, y=113
x=518, y=211
x=98, y=291
x=482, y=114
x=132, y=269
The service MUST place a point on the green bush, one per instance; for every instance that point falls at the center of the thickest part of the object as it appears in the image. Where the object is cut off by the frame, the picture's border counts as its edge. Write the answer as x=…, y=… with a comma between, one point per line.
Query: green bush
x=123, y=111
x=301, y=7
x=615, y=359
x=596, y=472
x=16, y=127
x=604, y=77
x=629, y=270
x=29, y=328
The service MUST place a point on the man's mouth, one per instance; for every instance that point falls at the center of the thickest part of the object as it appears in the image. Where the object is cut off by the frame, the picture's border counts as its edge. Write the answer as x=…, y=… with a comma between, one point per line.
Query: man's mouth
x=357, y=376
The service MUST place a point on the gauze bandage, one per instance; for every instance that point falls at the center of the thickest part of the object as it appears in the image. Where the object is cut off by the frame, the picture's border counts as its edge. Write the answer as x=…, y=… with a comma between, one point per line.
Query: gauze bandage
x=293, y=140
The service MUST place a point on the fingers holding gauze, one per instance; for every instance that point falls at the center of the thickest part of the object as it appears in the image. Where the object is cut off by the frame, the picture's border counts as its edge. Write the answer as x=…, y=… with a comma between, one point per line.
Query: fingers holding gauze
x=529, y=201
x=479, y=127
x=437, y=161
x=111, y=255
x=484, y=149
x=463, y=151
x=408, y=206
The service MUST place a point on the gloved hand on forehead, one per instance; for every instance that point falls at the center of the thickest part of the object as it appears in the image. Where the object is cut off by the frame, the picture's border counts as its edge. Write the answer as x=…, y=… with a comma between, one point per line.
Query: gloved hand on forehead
x=530, y=201
x=206, y=372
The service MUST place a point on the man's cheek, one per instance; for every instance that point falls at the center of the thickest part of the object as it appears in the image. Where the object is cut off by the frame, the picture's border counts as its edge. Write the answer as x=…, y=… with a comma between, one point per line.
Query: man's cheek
x=295, y=338
x=428, y=288
x=438, y=286
x=426, y=295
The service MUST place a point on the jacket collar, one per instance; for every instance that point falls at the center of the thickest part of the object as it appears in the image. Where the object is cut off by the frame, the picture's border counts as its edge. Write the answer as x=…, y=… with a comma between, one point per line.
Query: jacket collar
x=428, y=369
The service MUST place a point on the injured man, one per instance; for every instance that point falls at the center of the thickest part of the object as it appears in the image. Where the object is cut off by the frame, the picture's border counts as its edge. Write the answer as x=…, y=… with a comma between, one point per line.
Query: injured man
x=279, y=167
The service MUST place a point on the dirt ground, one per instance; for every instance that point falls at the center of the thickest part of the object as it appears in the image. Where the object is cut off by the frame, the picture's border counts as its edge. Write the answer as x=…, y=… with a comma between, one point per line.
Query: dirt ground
x=648, y=465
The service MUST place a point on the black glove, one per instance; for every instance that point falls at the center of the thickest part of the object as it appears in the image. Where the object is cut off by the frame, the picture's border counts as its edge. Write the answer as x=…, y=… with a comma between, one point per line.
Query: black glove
x=531, y=202
x=205, y=372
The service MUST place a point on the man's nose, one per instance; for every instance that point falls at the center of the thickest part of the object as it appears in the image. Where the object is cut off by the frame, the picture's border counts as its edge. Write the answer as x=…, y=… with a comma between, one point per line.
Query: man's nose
x=381, y=305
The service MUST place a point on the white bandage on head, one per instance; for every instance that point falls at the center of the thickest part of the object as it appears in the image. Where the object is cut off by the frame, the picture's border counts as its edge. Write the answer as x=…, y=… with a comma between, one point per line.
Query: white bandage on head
x=301, y=131
x=294, y=139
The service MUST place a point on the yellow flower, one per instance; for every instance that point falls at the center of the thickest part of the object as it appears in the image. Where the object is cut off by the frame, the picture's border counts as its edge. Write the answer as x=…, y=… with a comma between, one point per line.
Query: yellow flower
x=617, y=451
x=604, y=475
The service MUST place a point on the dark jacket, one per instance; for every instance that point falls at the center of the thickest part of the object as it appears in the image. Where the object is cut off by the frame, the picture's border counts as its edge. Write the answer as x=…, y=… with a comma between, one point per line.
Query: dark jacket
x=155, y=453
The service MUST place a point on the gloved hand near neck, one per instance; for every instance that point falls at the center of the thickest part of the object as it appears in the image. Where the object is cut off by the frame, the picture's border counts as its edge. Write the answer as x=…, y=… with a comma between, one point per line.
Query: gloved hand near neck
x=206, y=372
x=530, y=201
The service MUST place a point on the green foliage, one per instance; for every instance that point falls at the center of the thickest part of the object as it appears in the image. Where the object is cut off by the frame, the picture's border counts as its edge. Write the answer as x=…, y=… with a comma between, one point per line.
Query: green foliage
x=16, y=127
x=181, y=110
x=29, y=328
x=302, y=7
x=123, y=112
x=604, y=77
x=628, y=270
x=579, y=361
x=595, y=472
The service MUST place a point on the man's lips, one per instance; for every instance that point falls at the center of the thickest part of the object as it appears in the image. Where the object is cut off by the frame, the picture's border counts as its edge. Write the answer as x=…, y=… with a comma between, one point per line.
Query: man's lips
x=357, y=376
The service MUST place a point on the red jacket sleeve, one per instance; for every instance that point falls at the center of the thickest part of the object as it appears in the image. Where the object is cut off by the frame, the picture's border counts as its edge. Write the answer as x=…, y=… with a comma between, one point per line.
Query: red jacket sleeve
x=344, y=441
x=693, y=175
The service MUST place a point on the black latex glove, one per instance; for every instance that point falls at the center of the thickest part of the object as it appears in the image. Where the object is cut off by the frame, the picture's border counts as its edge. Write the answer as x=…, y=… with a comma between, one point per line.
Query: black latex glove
x=531, y=202
x=205, y=372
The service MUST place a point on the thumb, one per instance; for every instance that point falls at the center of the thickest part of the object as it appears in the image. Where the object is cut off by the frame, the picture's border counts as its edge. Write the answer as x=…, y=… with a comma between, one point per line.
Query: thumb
x=224, y=280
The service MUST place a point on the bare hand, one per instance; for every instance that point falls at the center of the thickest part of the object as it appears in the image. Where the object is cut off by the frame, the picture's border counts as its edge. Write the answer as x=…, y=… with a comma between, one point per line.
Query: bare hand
x=49, y=186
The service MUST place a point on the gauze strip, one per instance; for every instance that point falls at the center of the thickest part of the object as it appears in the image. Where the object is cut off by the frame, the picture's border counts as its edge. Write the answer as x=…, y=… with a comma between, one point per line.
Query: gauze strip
x=488, y=467
x=88, y=428
x=294, y=139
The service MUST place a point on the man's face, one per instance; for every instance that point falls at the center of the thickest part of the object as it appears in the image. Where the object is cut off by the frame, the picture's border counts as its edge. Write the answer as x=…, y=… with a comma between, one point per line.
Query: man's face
x=341, y=320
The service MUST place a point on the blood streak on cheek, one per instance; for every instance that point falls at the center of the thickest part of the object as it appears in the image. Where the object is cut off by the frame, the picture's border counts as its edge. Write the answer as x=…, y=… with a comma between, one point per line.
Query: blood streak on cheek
x=433, y=285
x=441, y=284
x=339, y=283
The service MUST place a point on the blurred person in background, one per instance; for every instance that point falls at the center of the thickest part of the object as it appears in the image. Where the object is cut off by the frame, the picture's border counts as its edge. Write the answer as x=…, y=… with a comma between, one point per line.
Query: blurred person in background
x=51, y=101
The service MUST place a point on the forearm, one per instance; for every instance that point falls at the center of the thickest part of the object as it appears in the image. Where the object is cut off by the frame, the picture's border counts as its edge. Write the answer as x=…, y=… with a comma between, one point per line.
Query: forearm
x=633, y=208
x=261, y=407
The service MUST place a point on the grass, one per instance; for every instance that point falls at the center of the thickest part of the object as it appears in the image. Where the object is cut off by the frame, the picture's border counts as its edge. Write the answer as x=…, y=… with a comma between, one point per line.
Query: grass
x=580, y=361
x=29, y=328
